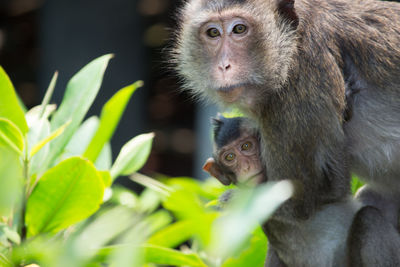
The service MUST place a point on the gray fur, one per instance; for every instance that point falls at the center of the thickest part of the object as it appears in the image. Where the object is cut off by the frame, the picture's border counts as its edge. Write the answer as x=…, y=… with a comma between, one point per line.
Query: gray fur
x=319, y=241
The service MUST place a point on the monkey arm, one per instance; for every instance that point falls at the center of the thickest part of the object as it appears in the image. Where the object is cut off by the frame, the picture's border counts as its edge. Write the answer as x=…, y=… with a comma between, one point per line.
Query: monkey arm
x=272, y=259
x=372, y=240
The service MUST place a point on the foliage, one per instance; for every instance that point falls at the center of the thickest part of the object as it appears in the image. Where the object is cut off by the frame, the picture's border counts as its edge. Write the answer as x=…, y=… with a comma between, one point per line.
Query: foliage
x=59, y=205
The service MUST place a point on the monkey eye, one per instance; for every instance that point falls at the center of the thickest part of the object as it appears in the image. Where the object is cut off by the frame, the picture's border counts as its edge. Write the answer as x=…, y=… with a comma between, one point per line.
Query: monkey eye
x=246, y=146
x=230, y=157
x=213, y=32
x=240, y=28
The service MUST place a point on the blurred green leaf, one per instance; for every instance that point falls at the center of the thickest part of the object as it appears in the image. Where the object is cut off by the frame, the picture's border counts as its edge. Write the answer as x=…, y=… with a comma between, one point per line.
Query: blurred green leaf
x=123, y=196
x=233, y=113
x=109, y=119
x=79, y=96
x=104, y=161
x=66, y=194
x=48, y=95
x=81, y=138
x=42, y=251
x=4, y=260
x=9, y=105
x=11, y=168
x=33, y=115
x=108, y=225
x=355, y=184
x=167, y=256
x=151, y=183
x=186, y=205
x=149, y=201
x=106, y=178
x=133, y=155
x=38, y=130
x=10, y=234
x=47, y=139
x=173, y=235
x=11, y=136
x=11, y=177
x=248, y=207
x=209, y=189
x=253, y=254
x=158, y=220
x=131, y=254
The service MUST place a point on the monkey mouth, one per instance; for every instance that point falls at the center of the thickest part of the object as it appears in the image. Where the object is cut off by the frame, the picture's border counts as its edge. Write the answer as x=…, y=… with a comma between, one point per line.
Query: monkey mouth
x=253, y=180
x=230, y=93
x=258, y=177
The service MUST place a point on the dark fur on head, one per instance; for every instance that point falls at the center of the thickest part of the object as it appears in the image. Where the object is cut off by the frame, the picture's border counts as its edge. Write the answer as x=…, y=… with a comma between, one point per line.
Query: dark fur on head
x=226, y=130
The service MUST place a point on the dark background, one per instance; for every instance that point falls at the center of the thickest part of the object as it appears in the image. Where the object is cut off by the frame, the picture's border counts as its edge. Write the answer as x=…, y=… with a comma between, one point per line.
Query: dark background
x=38, y=37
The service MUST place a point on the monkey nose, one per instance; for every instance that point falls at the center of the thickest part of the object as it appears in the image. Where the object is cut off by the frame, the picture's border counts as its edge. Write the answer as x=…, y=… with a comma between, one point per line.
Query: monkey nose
x=224, y=67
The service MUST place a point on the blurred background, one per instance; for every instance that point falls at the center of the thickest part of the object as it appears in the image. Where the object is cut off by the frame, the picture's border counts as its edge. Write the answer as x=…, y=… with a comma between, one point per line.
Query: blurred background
x=38, y=37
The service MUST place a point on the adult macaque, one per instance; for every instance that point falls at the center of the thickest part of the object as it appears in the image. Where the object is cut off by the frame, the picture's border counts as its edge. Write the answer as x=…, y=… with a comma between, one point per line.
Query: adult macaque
x=286, y=64
x=343, y=233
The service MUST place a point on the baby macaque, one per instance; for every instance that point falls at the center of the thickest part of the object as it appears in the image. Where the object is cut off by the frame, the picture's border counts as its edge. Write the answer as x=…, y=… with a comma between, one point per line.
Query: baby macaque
x=236, y=156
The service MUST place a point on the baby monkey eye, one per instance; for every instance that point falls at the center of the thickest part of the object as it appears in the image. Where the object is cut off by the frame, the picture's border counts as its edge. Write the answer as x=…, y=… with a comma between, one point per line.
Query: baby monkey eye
x=213, y=32
x=240, y=28
x=230, y=157
x=247, y=146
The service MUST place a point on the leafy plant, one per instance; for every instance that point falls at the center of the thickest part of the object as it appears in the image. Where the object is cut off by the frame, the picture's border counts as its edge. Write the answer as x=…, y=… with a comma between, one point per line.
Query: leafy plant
x=54, y=168
x=59, y=206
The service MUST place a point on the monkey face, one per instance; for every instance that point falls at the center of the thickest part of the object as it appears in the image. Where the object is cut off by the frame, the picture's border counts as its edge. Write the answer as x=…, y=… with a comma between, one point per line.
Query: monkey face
x=242, y=157
x=226, y=43
x=237, y=162
x=227, y=51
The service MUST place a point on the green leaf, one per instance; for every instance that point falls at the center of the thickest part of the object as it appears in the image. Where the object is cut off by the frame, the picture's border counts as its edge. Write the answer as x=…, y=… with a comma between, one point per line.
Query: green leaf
x=11, y=234
x=4, y=261
x=108, y=225
x=109, y=119
x=33, y=115
x=157, y=220
x=355, y=184
x=47, y=96
x=149, y=201
x=81, y=138
x=106, y=178
x=167, y=256
x=133, y=155
x=253, y=254
x=9, y=106
x=11, y=174
x=173, y=235
x=151, y=183
x=122, y=196
x=104, y=161
x=11, y=136
x=249, y=207
x=79, y=96
x=188, y=206
x=46, y=140
x=38, y=130
x=66, y=194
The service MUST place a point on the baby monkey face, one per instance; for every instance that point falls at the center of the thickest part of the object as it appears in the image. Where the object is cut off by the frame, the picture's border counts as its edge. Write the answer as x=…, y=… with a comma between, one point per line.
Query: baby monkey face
x=242, y=157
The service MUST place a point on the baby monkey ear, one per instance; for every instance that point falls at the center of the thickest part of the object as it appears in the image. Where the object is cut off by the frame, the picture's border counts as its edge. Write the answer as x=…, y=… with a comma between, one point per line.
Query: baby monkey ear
x=214, y=170
x=287, y=11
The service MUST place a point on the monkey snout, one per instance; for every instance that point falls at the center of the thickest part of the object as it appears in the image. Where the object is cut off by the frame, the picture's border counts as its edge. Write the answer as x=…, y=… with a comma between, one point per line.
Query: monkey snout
x=224, y=68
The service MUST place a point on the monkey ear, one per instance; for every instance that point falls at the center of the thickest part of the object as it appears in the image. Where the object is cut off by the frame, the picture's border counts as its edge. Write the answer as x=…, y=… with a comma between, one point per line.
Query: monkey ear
x=213, y=169
x=286, y=10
